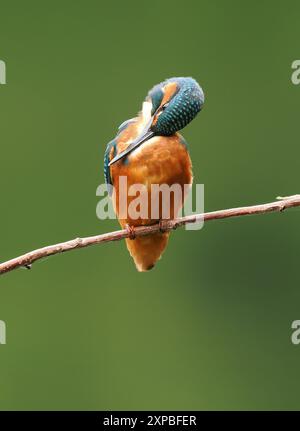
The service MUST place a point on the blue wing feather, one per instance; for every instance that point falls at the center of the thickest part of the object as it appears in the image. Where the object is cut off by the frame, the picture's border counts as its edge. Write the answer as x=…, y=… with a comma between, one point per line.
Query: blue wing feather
x=110, y=145
x=124, y=125
x=113, y=144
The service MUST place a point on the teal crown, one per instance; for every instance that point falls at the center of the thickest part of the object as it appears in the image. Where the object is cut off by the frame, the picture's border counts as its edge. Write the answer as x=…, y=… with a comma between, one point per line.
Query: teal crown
x=182, y=107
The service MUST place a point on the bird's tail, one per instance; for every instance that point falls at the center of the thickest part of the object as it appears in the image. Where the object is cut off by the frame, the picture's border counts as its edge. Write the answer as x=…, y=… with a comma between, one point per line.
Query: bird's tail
x=147, y=250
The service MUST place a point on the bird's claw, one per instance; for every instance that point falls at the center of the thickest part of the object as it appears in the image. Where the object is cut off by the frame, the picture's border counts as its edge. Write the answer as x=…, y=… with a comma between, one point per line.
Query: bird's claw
x=131, y=231
x=163, y=226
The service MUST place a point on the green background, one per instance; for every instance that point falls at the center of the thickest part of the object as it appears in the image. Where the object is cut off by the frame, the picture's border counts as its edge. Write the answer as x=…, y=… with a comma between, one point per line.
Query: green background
x=210, y=326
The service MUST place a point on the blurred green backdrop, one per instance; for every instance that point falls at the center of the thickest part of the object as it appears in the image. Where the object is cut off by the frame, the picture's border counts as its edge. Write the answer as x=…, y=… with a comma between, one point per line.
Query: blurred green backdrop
x=209, y=327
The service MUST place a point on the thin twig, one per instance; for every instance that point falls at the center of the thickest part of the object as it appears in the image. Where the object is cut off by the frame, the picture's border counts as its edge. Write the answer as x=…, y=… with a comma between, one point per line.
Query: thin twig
x=27, y=259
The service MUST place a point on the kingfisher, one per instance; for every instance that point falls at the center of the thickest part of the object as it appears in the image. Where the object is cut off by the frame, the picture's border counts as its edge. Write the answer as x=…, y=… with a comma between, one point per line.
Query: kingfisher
x=148, y=150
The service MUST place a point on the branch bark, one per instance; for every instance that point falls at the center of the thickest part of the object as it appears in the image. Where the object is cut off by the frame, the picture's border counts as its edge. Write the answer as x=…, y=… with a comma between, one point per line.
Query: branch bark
x=26, y=260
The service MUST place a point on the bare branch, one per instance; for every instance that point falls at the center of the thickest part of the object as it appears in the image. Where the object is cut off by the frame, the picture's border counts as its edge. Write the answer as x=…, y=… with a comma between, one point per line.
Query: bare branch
x=26, y=260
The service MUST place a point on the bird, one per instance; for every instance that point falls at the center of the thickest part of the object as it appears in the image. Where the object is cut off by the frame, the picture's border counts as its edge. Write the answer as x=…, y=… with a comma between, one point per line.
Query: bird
x=148, y=150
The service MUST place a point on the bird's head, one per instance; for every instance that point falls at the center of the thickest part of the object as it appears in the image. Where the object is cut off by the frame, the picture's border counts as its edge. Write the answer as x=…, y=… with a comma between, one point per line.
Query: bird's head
x=175, y=103
x=172, y=105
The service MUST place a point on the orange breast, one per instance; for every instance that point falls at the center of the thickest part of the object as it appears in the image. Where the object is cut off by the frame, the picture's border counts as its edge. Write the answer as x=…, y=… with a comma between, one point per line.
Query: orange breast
x=161, y=160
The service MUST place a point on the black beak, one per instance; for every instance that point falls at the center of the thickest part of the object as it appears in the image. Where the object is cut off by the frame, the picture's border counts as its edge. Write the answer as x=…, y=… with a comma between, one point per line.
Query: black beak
x=143, y=137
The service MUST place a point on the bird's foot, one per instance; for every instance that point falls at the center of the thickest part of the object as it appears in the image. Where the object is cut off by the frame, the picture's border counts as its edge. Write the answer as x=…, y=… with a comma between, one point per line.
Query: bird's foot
x=131, y=231
x=163, y=226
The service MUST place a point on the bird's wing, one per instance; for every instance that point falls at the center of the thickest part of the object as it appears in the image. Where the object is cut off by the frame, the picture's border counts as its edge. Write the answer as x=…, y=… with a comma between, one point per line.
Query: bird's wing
x=125, y=124
x=111, y=150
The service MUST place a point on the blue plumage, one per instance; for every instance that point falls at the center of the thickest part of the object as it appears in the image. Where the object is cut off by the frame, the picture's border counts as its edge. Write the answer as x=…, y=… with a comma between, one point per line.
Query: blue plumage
x=180, y=110
x=110, y=145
